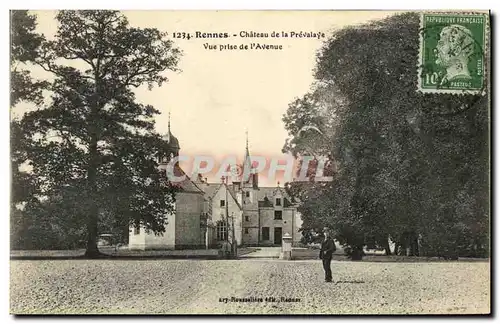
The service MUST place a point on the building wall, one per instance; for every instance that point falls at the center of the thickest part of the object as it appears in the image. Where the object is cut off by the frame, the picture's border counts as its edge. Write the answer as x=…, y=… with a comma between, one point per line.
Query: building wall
x=183, y=229
x=219, y=213
x=250, y=217
x=238, y=228
x=137, y=241
x=188, y=233
x=250, y=227
x=267, y=220
x=148, y=241
x=297, y=235
x=164, y=241
x=288, y=221
x=250, y=236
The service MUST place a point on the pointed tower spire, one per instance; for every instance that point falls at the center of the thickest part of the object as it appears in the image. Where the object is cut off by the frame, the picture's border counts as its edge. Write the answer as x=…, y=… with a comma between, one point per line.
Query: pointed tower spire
x=169, y=122
x=169, y=134
x=246, y=161
x=248, y=176
x=171, y=139
x=247, y=153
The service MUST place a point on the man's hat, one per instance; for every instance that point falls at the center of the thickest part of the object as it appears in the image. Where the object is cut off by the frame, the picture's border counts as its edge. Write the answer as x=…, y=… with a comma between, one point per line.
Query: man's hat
x=326, y=229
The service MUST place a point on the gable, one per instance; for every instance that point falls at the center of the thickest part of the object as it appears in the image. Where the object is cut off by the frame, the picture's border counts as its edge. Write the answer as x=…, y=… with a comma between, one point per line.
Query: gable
x=266, y=196
x=231, y=194
x=186, y=185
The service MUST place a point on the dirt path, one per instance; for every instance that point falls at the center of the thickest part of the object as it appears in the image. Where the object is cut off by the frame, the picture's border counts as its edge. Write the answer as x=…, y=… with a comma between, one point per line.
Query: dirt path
x=189, y=286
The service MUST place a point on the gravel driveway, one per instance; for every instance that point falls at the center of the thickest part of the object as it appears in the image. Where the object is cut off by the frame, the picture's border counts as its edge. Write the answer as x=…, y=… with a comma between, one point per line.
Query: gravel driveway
x=201, y=286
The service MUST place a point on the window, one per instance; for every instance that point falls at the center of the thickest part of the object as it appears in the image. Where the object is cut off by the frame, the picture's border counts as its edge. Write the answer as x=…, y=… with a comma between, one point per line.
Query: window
x=247, y=219
x=265, y=233
x=246, y=230
x=137, y=230
x=278, y=214
x=247, y=194
x=222, y=203
x=221, y=231
x=278, y=201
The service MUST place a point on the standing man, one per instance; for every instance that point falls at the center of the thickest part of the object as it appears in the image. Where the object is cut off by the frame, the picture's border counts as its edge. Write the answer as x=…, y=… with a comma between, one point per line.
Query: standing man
x=325, y=254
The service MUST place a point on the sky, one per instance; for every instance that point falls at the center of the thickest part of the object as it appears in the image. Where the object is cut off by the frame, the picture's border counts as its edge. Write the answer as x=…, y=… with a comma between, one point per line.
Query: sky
x=219, y=95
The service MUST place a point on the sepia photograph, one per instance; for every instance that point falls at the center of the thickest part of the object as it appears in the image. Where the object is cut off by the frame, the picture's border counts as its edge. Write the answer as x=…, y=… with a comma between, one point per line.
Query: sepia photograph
x=259, y=162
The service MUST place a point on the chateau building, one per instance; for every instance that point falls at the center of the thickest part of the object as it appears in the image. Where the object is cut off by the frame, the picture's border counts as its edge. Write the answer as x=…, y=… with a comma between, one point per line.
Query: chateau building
x=207, y=214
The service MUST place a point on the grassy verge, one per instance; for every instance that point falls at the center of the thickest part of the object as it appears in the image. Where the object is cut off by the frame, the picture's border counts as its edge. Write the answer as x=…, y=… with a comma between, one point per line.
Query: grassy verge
x=313, y=254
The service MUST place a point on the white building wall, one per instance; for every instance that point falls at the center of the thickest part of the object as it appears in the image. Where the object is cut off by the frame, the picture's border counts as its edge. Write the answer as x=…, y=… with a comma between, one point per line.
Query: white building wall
x=137, y=241
x=297, y=235
x=147, y=241
x=218, y=212
x=165, y=241
x=188, y=232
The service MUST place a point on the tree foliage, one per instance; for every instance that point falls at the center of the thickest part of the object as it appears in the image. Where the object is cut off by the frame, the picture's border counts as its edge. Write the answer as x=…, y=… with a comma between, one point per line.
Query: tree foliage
x=25, y=43
x=91, y=146
x=410, y=166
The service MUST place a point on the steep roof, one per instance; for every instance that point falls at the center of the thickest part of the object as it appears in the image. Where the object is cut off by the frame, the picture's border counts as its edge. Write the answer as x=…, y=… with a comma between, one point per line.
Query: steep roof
x=211, y=189
x=265, y=193
x=233, y=194
x=170, y=138
x=265, y=202
x=186, y=185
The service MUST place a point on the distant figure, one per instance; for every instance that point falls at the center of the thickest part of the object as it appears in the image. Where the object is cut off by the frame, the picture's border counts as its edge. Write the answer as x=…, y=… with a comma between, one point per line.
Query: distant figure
x=325, y=254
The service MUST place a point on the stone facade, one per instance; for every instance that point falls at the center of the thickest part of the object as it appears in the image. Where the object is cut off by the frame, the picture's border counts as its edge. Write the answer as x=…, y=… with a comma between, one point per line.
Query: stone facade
x=207, y=214
x=184, y=228
x=188, y=227
x=273, y=217
x=223, y=207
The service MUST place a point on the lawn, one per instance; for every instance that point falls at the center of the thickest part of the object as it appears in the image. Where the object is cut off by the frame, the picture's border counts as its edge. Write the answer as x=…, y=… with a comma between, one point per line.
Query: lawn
x=122, y=253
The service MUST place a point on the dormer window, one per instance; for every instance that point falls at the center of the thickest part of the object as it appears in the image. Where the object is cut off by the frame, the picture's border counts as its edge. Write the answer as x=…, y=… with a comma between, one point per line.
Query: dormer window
x=278, y=201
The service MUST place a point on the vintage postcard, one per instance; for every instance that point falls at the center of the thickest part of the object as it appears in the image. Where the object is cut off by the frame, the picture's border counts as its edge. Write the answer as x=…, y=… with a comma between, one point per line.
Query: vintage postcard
x=250, y=162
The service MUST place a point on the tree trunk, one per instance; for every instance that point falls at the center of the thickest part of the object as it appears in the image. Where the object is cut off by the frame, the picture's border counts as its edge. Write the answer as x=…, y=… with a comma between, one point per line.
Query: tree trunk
x=93, y=164
x=93, y=211
x=125, y=234
x=357, y=253
x=92, y=250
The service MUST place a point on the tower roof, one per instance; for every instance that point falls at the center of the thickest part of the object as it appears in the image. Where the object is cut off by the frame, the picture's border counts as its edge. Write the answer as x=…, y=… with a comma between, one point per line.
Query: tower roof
x=248, y=168
x=247, y=163
x=170, y=138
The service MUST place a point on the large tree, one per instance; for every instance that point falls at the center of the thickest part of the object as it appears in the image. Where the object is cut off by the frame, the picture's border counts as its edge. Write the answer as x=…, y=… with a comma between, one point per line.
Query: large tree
x=92, y=146
x=408, y=163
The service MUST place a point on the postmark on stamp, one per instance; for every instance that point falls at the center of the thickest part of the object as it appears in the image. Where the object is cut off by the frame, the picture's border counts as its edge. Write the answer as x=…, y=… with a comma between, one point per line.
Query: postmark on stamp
x=452, y=52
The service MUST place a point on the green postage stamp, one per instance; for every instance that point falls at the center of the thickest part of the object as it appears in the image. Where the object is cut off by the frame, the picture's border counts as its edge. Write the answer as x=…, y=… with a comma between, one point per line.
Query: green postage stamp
x=452, y=52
